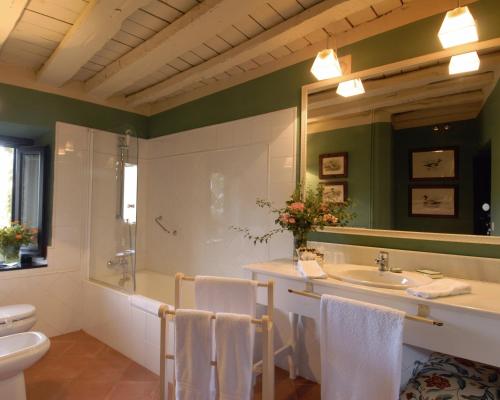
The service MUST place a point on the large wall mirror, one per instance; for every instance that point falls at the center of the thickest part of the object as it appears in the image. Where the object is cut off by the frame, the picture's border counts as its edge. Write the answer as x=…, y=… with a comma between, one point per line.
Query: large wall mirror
x=418, y=151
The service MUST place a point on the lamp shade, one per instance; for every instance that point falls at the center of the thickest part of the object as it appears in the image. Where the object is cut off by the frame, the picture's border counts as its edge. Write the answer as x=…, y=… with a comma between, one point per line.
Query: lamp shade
x=326, y=65
x=458, y=28
x=462, y=63
x=350, y=88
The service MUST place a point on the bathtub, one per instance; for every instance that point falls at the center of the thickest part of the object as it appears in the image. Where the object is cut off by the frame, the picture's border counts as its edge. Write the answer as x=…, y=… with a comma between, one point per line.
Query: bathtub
x=128, y=322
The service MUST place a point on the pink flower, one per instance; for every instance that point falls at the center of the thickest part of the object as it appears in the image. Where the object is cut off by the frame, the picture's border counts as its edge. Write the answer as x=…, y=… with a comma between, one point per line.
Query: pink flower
x=330, y=219
x=297, y=206
x=291, y=220
x=284, y=218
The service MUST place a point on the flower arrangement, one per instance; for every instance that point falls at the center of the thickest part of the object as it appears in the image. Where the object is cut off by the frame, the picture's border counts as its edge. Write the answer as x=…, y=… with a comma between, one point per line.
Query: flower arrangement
x=303, y=213
x=13, y=237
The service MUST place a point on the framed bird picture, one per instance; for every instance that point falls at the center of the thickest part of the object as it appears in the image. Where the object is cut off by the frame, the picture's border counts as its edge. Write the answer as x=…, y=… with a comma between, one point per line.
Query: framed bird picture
x=434, y=164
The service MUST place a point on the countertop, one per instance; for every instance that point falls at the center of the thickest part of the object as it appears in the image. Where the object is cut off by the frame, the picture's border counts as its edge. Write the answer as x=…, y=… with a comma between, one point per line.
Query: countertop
x=484, y=299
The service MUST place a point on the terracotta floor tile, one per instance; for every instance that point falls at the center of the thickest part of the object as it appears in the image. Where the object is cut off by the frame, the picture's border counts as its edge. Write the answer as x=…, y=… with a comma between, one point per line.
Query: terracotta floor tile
x=87, y=390
x=79, y=367
x=85, y=348
x=136, y=372
x=127, y=390
x=45, y=389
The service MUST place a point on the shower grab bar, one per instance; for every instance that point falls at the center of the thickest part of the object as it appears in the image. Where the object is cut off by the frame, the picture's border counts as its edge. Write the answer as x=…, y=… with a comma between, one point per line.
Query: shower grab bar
x=407, y=316
x=158, y=219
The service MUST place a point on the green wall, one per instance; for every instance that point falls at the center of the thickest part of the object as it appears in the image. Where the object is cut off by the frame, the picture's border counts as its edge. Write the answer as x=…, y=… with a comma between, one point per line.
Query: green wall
x=489, y=124
x=369, y=171
x=356, y=141
x=463, y=135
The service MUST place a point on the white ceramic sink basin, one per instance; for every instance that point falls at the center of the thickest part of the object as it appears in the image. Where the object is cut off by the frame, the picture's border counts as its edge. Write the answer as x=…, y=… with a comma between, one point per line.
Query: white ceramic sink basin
x=373, y=277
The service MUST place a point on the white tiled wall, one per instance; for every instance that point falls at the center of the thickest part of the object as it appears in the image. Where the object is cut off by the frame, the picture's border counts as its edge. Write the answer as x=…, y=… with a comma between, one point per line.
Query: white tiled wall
x=205, y=180
x=56, y=291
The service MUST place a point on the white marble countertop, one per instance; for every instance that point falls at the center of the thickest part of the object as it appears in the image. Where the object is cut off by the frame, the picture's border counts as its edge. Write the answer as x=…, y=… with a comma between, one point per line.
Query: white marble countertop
x=484, y=299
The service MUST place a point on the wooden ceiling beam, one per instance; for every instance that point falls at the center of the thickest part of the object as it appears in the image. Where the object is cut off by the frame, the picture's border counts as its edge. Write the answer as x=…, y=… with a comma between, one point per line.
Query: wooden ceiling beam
x=447, y=117
x=10, y=13
x=398, y=97
x=296, y=27
x=202, y=22
x=476, y=96
x=99, y=22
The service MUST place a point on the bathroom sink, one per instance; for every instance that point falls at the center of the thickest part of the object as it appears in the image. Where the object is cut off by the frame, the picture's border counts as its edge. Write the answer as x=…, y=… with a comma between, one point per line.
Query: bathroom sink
x=372, y=277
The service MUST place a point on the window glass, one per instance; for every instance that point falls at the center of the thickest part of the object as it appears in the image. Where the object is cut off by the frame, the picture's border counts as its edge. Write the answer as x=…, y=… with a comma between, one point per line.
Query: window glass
x=129, y=193
x=30, y=190
x=6, y=181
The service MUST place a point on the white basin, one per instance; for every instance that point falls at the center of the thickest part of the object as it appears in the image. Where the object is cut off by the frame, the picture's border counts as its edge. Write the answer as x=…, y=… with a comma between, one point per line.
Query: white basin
x=373, y=277
x=18, y=352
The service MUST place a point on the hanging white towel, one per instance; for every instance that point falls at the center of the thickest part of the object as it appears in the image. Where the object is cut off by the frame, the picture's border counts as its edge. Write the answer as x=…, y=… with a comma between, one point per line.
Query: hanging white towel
x=361, y=347
x=193, y=354
x=234, y=336
x=230, y=295
x=440, y=288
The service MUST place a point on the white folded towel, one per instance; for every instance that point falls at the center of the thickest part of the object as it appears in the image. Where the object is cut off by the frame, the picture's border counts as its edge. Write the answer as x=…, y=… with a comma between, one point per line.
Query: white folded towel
x=361, y=348
x=230, y=295
x=234, y=337
x=193, y=354
x=440, y=288
x=311, y=269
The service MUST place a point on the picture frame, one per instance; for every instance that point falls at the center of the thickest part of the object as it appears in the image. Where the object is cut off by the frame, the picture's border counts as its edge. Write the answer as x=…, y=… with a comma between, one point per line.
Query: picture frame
x=333, y=165
x=335, y=191
x=437, y=201
x=435, y=163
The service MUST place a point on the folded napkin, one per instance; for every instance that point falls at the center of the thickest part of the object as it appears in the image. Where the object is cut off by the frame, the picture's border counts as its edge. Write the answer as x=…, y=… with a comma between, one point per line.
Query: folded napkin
x=440, y=288
x=310, y=269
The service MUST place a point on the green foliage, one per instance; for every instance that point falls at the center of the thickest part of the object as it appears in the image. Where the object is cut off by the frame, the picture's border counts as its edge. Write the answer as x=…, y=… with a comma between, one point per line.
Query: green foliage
x=16, y=235
x=303, y=213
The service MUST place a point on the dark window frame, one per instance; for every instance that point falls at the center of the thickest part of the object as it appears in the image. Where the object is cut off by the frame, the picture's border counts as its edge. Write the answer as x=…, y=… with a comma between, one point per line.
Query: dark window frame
x=25, y=147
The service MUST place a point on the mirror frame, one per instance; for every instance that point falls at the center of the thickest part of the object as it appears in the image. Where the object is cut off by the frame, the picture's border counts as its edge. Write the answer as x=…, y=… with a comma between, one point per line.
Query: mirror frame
x=492, y=44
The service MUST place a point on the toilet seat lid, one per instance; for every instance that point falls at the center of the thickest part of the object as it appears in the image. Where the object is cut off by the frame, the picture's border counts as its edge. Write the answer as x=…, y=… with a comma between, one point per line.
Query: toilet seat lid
x=16, y=312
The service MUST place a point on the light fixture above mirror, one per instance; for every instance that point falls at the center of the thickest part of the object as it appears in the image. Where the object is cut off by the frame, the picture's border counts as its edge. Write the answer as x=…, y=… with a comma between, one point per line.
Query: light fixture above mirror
x=350, y=88
x=458, y=28
x=326, y=65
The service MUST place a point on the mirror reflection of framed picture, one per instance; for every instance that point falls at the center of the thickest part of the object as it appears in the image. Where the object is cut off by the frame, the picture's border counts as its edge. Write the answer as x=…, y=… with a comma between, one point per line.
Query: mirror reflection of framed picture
x=434, y=164
x=335, y=192
x=333, y=165
x=433, y=201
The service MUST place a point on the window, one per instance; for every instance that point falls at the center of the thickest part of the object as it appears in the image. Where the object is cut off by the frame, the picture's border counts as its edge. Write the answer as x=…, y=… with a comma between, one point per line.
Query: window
x=23, y=172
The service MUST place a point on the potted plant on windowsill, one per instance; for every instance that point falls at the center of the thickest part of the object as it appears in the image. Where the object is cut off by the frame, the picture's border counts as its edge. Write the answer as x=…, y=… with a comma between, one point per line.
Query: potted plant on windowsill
x=12, y=238
x=303, y=213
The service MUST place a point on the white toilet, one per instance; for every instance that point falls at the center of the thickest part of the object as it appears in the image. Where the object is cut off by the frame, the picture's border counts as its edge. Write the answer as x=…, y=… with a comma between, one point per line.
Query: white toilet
x=18, y=352
x=16, y=318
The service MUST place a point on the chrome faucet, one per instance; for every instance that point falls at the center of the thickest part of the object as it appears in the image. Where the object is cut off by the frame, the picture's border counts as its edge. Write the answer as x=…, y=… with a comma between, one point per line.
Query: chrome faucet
x=383, y=261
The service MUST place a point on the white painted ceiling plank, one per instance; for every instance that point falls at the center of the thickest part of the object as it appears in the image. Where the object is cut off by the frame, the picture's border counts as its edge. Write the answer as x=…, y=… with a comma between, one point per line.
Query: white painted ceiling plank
x=292, y=29
x=249, y=26
x=361, y=16
x=45, y=22
x=56, y=10
x=99, y=22
x=266, y=17
x=10, y=14
x=206, y=19
x=163, y=11
x=286, y=8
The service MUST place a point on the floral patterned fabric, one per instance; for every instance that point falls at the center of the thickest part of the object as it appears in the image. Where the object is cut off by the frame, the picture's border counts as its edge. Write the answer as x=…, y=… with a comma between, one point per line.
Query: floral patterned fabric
x=444, y=377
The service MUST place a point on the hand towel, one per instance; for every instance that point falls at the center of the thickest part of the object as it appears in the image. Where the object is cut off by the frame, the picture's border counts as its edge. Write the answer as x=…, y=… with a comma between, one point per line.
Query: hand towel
x=361, y=348
x=193, y=354
x=440, y=288
x=229, y=295
x=310, y=269
x=234, y=337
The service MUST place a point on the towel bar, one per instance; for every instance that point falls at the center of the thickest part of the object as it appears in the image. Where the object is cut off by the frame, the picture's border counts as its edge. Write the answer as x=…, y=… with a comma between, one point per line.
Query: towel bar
x=162, y=312
x=407, y=316
x=192, y=278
